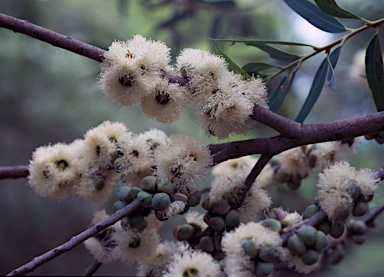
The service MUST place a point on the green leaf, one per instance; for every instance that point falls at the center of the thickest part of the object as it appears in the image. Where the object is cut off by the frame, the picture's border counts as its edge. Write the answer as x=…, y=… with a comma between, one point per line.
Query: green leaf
x=332, y=60
x=375, y=72
x=278, y=95
x=275, y=53
x=255, y=68
x=232, y=66
x=257, y=41
x=315, y=16
x=330, y=7
x=314, y=92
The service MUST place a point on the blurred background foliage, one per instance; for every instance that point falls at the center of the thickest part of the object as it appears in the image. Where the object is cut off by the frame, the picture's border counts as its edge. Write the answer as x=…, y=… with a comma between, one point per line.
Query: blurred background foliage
x=50, y=95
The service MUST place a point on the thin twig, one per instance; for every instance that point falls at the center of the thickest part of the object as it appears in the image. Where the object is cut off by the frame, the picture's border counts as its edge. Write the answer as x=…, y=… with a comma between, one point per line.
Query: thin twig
x=8, y=172
x=76, y=240
x=92, y=268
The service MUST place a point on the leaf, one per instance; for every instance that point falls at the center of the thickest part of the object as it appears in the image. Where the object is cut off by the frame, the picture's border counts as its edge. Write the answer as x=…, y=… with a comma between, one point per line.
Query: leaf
x=314, y=92
x=330, y=7
x=257, y=41
x=255, y=68
x=232, y=66
x=332, y=60
x=375, y=71
x=278, y=95
x=276, y=53
x=315, y=16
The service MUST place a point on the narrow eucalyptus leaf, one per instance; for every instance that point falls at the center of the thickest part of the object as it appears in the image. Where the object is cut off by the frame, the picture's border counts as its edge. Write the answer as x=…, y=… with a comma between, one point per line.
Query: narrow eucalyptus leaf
x=315, y=16
x=314, y=92
x=330, y=7
x=278, y=96
x=258, y=41
x=275, y=53
x=332, y=59
x=232, y=66
x=375, y=72
x=256, y=68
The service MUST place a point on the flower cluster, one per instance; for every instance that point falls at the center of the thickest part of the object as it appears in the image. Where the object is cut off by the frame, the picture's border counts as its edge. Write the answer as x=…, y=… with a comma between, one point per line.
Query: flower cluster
x=111, y=155
x=223, y=101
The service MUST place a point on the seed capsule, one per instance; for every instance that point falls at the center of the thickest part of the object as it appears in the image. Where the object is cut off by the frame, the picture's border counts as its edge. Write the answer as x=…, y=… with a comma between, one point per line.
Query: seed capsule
x=310, y=257
x=296, y=245
x=206, y=244
x=360, y=208
x=250, y=248
x=206, y=204
x=336, y=255
x=359, y=239
x=184, y=232
x=164, y=185
x=118, y=165
x=263, y=269
x=194, y=199
x=217, y=223
x=325, y=226
x=272, y=224
x=133, y=194
x=357, y=227
x=310, y=211
x=354, y=190
x=321, y=241
x=122, y=193
x=232, y=218
x=217, y=241
x=119, y=205
x=145, y=199
x=266, y=254
x=336, y=230
x=220, y=206
x=137, y=221
x=148, y=183
x=179, y=197
x=341, y=213
x=307, y=234
x=160, y=201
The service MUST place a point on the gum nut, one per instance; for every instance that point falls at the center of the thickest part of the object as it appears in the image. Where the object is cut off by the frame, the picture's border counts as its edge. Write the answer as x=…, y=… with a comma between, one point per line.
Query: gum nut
x=321, y=241
x=217, y=241
x=266, y=253
x=160, y=201
x=354, y=190
x=145, y=211
x=217, y=223
x=148, y=183
x=341, y=213
x=307, y=234
x=277, y=213
x=137, y=221
x=232, y=218
x=119, y=205
x=207, y=217
x=186, y=209
x=183, y=232
x=359, y=239
x=218, y=255
x=206, y=204
x=310, y=257
x=360, y=208
x=310, y=211
x=194, y=199
x=179, y=197
x=164, y=185
x=272, y=224
x=196, y=227
x=336, y=230
x=206, y=244
x=324, y=226
x=118, y=165
x=122, y=193
x=133, y=193
x=145, y=199
x=337, y=255
x=263, y=269
x=359, y=227
x=296, y=245
x=366, y=198
x=220, y=206
x=250, y=248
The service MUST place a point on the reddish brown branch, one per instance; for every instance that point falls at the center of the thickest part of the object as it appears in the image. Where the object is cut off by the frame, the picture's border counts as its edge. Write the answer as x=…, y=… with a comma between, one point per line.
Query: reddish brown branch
x=8, y=172
x=76, y=240
x=53, y=38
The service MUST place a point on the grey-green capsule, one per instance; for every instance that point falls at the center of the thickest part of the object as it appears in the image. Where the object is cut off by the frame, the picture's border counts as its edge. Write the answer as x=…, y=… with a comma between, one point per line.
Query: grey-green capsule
x=148, y=183
x=194, y=199
x=360, y=208
x=307, y=234
x=272, y=224
x=217, y=223
x=184, y=232
x=206, y=244
x=145, y=199
x=220, y=206
x=310, y=257
x=321, y=241
x=160, y=201
x=266, y=253
x=310, y=211
x=137, y=221
x=263, y=269
x=119, y=205
x=232, y=218
x=336, y=230
x=296, y=245
x=164, y=185
x=250, y=248
x=123, y=192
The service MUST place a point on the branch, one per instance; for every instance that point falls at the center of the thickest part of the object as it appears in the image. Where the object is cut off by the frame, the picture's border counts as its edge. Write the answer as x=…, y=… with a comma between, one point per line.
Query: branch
x=53, y=38
x=7, y=172
x=76, y=240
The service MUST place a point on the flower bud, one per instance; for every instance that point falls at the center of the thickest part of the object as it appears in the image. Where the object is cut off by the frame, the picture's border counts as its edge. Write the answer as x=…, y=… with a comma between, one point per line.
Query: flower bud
x=206, y=244
x=220, y=206
x=148, y=183
x=164, y=185
x=307, y=234
x=250, y=248
x=310, y=256
x=160, y=201
x=296, y=245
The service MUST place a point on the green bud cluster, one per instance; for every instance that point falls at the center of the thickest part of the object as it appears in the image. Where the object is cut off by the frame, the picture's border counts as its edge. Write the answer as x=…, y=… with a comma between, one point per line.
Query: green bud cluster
x=261, y=257
x=308, y=243
x=356, y=230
